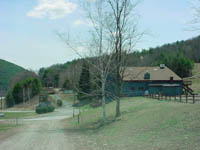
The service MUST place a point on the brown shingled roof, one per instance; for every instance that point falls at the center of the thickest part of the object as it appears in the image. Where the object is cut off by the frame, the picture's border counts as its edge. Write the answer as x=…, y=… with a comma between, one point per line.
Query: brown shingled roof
x=137, y=74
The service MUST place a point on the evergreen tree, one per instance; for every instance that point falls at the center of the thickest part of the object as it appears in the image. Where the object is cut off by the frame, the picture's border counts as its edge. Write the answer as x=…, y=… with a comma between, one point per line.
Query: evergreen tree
x=84, y=83
x=56, y=80
x=22, y=91
x=66, y=85
x=180, y=64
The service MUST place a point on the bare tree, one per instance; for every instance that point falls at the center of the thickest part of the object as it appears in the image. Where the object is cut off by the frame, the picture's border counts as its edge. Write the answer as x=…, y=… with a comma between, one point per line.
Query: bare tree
x=98, y=49
x=122, y=26
x=195, y=22
x=112, y=36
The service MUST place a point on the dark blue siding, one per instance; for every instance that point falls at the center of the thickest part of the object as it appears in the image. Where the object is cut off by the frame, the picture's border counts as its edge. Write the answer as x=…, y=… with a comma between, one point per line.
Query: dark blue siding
x=138, y=88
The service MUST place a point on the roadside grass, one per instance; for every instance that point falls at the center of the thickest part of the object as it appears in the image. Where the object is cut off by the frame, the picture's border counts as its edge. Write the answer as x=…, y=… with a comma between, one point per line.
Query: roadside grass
x=6, y=126
x=13, y=115
x=145, y=124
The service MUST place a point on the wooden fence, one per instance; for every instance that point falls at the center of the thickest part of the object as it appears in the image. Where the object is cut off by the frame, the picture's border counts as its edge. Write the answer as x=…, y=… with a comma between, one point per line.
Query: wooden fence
x=181, y=98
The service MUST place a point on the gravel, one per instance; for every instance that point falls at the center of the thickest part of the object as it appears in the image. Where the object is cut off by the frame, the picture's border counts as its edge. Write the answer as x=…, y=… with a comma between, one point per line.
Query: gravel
x=42, y=133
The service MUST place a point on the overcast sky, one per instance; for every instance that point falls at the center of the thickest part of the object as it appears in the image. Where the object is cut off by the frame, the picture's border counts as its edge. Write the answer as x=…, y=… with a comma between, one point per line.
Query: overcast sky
x=27, y=28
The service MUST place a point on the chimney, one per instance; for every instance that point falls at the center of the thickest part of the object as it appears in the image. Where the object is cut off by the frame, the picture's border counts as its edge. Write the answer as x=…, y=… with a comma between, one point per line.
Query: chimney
x=147, y=76
x=162, y=66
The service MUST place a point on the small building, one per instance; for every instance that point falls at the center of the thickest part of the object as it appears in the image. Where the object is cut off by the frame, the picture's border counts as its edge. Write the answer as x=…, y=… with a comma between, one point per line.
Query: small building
x=138, y=81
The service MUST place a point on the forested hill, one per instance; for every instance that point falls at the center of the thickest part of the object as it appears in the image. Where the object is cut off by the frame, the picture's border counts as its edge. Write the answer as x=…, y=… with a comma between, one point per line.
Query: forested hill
x=7, y=71
x=178, y=56
x=189, y=49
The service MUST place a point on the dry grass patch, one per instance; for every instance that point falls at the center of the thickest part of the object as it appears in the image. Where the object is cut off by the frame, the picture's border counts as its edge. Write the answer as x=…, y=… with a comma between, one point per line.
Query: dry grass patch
x=144, y=124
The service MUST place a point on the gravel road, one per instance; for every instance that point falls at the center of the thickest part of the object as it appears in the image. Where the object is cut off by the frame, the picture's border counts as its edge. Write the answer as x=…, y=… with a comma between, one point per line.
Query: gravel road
x=42, y=133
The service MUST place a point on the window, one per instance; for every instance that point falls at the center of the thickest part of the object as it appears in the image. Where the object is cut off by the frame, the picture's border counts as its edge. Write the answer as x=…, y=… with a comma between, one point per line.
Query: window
x=141, y=88
x=133, y=88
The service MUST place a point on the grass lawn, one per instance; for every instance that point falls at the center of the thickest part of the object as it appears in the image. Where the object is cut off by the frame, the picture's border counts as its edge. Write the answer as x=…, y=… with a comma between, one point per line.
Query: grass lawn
x=13, y=115
x=196, y=85
x=5, y=127
x=145, y=124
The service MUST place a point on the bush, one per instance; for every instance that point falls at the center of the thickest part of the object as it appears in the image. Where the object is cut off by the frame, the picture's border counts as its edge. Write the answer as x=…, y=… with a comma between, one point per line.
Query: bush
x=44, y=107
x=51, y=108
x=59, y=103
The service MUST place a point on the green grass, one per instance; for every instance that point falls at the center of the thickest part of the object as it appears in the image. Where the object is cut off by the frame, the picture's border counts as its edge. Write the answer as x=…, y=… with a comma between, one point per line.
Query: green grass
x=5, y=127
x=196, y=85
x=196, y=81
x=13, y=115
x=145, y=124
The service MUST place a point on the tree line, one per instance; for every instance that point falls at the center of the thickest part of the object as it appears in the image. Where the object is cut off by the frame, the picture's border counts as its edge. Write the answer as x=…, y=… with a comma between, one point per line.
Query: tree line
x=23, y=91
x=180, y=64
x=179, y=57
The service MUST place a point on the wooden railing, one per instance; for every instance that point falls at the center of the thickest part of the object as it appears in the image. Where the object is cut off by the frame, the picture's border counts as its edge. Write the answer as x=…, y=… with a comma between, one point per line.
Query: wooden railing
x=188, y=89
x=181, y=98
x=187, y=82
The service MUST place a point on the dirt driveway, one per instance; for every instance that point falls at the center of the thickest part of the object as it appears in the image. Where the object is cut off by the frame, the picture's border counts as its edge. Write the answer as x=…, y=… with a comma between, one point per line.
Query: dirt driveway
x=42, y=133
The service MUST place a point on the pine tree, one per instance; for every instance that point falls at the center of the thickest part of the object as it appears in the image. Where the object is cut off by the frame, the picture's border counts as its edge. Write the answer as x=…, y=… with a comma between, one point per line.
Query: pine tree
x=84, y=83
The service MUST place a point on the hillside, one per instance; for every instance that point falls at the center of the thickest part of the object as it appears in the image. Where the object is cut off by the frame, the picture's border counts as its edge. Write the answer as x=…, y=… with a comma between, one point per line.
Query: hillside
x=189, y=50
x=195, y=78
x=145, y=124
x=7, y=71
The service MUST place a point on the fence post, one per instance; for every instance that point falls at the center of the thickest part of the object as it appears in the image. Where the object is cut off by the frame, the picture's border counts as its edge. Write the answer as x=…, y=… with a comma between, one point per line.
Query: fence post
x=175, y=97
x=186, y=98
x=180, y=98
x=193, y=98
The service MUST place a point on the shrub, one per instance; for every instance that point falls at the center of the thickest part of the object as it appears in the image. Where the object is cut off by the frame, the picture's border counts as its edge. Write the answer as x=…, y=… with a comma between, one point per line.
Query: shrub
x=51, y=108
x=41, y=110
x=44, y=107
x=59, y=103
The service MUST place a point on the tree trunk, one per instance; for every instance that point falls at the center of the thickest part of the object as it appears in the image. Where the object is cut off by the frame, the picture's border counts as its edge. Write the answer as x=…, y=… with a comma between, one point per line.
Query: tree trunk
x=118, y=93
x=23, y=95
x=104, y=102
x=74, y=103
x=29, y=94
